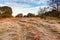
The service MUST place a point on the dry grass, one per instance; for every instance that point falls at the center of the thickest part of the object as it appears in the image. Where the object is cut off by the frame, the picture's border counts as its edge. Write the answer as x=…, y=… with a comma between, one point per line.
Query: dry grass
x=29, y=29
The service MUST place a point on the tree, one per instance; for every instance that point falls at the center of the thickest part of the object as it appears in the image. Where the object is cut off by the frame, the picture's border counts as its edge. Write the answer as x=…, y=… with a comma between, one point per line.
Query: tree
x=42, y=11
x=54, y=4
x=6, y=11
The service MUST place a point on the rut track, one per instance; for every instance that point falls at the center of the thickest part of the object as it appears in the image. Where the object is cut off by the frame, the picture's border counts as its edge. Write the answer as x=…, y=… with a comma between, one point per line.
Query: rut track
x=40, y=27
x=27, y=30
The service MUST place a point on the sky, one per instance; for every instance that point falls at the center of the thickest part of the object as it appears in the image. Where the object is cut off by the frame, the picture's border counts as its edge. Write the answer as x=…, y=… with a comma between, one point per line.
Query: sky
x=24, y=6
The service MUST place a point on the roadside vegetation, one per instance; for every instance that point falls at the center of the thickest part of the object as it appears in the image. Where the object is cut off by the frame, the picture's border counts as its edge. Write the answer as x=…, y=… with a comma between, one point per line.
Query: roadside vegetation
x=6, y=12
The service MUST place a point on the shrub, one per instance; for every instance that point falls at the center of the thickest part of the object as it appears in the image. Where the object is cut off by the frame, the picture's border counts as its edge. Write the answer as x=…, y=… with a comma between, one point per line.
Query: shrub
x=19, y=15
x=0, y=15
x=30, y=15
x=25, y=15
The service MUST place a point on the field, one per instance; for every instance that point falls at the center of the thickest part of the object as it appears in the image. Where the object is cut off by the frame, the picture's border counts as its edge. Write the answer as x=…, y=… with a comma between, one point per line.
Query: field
x=29, y=29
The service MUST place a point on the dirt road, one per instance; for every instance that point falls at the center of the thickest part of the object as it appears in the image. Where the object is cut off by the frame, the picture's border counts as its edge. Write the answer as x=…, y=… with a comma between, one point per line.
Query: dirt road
x=29, y=29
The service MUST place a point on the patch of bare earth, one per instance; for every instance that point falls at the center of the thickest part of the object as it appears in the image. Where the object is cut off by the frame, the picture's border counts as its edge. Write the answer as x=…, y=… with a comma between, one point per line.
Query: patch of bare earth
x=29, y=29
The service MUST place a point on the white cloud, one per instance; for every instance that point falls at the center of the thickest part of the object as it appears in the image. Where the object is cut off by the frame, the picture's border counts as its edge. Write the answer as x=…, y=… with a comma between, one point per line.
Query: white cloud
x=23, y=8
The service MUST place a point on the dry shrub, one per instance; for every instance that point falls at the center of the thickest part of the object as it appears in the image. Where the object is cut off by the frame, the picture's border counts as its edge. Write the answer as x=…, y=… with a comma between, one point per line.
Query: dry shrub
x=19, y=15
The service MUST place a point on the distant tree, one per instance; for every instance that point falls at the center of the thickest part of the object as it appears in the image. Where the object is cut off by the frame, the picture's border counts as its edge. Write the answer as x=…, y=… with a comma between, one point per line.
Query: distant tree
x=42, y=11
x=19, y=15
x=30, y=15
x=6, y=11
x=54, y=4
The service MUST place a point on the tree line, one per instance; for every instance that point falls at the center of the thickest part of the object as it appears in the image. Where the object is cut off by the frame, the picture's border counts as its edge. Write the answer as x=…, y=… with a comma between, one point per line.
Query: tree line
x=6, y=12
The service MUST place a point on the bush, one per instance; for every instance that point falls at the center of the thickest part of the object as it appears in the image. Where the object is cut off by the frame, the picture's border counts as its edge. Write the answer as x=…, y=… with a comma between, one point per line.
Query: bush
x=19, y=15
x=0, y=15
x=30, y=15
x=25, y=15
x=52, y=13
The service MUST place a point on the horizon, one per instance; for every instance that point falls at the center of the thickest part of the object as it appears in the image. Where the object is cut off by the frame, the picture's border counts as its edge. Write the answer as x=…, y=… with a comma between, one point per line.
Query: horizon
x=24, y=6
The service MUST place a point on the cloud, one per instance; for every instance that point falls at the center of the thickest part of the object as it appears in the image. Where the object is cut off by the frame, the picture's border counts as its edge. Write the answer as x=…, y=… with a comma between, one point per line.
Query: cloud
x=25, y=11
x=23, y=6
x=38, y=2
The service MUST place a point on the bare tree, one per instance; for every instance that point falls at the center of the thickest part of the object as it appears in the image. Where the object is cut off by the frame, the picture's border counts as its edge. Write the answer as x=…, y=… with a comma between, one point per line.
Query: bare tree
x=42, y=10
x=54, y=4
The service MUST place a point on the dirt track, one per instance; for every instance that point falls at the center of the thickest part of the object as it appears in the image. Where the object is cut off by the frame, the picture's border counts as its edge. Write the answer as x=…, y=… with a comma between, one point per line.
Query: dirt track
x=29, y=29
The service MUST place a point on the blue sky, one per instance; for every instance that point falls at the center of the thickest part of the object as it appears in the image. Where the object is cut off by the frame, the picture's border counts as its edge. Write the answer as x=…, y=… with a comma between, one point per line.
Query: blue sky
x=24, y=6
